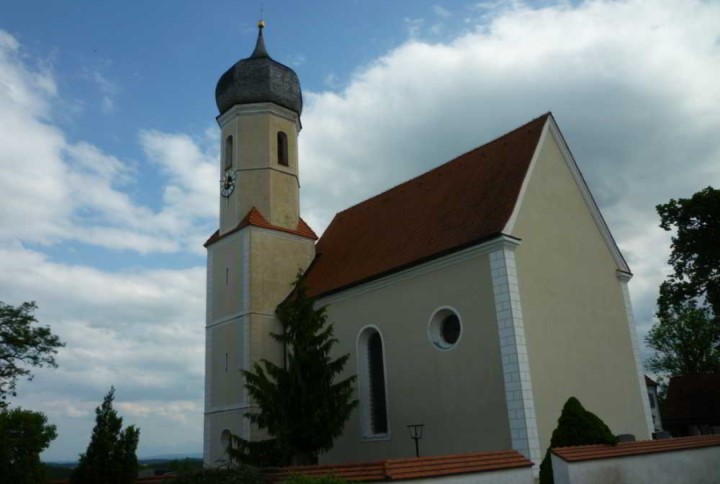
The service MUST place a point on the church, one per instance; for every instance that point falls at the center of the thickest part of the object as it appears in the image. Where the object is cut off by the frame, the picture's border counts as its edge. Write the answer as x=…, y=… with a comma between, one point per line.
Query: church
x=474, y=299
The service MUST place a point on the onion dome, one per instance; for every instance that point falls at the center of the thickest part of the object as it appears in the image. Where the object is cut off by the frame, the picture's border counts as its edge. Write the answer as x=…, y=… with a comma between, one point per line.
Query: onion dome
x=259, y=79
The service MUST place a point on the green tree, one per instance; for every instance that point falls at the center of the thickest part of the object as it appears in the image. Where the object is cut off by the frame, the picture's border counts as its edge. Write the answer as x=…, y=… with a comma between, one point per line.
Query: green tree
x=695, y=256
x=23, y=435
x=300, y=403
x=685, y=341
x=23, y=344
x=576, y=426
x=110, y=457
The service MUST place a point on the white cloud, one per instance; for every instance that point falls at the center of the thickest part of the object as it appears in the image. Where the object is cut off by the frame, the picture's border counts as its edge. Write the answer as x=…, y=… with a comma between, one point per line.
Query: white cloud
x=55, y=190
x=414, y=26
x=109, y=90
x=140, y=330
x=442, y=12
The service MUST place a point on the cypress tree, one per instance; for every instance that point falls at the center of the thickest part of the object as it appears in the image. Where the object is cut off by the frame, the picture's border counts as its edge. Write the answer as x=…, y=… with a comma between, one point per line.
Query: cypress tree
x=110, y=457
x=300, y=402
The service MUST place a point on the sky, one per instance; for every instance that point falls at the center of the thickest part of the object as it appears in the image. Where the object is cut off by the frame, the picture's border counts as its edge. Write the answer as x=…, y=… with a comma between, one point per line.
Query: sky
x=109, y=153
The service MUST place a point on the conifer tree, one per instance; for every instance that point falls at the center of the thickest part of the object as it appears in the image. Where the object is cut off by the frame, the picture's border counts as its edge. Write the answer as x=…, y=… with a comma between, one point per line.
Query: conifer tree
x=576, y=426
x=300, y=402
x=110, y=457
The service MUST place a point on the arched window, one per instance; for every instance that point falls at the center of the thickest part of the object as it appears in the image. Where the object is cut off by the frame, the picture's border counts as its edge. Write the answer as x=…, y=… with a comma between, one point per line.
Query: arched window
x=282, y=148
x=228, y=152
x=378, y=411
x=225, y=440
x=371, y=383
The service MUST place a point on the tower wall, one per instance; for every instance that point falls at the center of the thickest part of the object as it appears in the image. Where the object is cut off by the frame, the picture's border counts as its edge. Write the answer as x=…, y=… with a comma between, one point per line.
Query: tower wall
x=261, y=181
x=250, y=269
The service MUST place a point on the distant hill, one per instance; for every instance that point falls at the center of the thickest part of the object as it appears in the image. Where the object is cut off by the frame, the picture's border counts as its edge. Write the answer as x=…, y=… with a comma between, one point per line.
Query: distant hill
x=141, y=460
x=148, y=466
x=191, y=455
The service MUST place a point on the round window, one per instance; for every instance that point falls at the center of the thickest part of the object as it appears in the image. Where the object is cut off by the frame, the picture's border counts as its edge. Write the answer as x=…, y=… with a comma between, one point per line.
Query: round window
x=445, y=328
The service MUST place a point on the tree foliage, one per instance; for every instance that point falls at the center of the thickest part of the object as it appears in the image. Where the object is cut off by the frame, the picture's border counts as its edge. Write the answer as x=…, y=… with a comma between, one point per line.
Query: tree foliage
x=300, y=403
x=686, y=335
x=23, y=344
x=576, y=426
x=695, y=256
x=110, y=457
x=685, y=342
x=23, y=436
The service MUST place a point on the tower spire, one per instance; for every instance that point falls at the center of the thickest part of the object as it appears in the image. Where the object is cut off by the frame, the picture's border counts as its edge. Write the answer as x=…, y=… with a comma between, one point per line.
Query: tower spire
x=260, y=50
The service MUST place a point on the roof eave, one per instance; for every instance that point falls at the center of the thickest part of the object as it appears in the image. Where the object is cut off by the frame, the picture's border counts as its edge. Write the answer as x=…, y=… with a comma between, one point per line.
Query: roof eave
x=438, y=255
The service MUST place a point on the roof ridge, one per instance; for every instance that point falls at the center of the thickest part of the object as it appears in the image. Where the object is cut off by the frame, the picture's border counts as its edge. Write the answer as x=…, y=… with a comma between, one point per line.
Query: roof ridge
x=433, y=170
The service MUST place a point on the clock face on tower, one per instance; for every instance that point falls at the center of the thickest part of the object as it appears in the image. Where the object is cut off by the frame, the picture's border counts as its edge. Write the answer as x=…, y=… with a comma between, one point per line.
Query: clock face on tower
x=227, y=183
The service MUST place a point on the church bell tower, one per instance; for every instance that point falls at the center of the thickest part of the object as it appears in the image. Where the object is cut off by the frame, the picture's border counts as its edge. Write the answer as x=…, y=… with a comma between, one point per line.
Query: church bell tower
x=261, y=242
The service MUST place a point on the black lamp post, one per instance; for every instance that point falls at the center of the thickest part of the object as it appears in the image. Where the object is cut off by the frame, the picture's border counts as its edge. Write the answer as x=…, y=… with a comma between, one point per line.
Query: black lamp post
x=416, y=433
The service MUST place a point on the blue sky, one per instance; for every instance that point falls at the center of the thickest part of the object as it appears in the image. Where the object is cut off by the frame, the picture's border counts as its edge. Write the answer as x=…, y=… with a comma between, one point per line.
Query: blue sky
x=108, y=146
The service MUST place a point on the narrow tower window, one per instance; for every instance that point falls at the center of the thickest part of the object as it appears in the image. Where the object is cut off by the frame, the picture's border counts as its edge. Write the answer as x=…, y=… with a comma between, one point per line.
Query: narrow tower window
x=228, y=152
x=282, y=148
x=371, y=379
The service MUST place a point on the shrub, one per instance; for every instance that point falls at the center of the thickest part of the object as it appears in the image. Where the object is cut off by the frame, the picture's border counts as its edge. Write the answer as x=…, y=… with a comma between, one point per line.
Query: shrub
x=576, y=426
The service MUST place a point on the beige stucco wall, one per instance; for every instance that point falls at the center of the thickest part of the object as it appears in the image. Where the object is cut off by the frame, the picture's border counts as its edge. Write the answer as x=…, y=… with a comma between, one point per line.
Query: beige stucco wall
x=276, y=258
x=457, y=394
x=261, y=183
x=227, y=339
x=228, y=256
x=576, y=327
x=261, y=265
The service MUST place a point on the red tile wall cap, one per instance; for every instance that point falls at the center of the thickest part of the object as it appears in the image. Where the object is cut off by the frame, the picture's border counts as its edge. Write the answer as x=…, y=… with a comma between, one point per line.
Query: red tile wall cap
x=461, y=203
x=411, y=468
x=255, y=218
x=593, y=452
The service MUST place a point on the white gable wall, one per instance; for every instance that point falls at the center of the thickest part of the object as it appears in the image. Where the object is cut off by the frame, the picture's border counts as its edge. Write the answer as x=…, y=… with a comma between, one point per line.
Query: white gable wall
x=576, y=325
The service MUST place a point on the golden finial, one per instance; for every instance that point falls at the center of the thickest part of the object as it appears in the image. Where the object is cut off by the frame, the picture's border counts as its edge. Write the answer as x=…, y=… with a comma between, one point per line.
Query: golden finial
x=261, y=22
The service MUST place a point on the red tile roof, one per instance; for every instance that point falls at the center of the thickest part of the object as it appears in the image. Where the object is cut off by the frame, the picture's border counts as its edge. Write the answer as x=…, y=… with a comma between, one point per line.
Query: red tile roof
x=255, y=218
x=411, y=468
x=593, y=452
x=459, y=204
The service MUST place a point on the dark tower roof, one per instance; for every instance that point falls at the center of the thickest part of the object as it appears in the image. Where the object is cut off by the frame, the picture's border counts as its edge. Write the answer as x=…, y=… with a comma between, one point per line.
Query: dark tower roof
x=259, y=79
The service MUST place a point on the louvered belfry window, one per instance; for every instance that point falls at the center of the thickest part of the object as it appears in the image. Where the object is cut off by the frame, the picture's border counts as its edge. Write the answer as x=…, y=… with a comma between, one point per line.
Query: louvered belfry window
x=376, y=372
